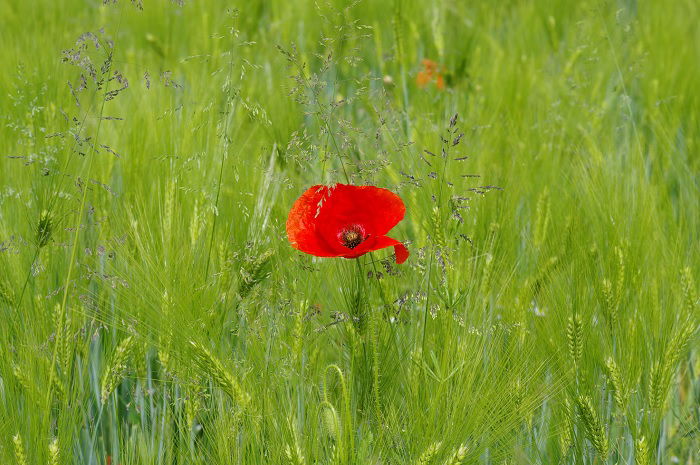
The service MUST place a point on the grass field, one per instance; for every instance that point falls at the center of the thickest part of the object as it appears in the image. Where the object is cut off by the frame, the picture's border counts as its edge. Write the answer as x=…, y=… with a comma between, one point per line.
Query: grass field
x=152, y=310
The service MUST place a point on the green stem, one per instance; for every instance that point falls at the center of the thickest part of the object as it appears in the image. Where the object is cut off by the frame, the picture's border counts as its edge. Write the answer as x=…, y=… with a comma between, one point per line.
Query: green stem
x=441, y=179
x=224, y=150
x=76, y=236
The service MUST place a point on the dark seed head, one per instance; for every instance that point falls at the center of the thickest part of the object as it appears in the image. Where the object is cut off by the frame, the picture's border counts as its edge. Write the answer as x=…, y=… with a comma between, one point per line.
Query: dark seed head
x=352, y=236
x=453, y=120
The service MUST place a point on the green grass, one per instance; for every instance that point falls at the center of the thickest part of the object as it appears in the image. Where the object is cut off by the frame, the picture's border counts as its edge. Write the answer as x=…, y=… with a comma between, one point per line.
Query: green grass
x=153, y=311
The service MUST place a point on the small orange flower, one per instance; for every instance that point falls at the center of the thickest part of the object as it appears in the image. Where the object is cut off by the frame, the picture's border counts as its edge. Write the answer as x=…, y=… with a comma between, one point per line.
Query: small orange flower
x=429, y=74
x=423, y=79
x=440, y=82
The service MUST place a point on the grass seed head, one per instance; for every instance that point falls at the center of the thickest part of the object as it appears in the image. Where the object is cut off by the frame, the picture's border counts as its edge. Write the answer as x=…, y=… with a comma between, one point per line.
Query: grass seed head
x=117, y=367
x=615, y=378
x=213, y=367
x=54, y=452
x=20, y=453
x=458, y=456
x=574, y=335
x=594, y=428
x=429, y=454
x=641, y=451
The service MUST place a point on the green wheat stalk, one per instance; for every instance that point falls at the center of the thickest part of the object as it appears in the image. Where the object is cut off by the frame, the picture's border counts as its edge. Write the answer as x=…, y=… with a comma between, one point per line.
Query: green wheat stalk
x=574, y=336
x=615, y=379
x=20, y=453
x=212, y=366
x=114, y=372
x=429, y=454
x=458, y=456
x=663, y=370
x=595, y=431
x=690, y=297
x=641, y=451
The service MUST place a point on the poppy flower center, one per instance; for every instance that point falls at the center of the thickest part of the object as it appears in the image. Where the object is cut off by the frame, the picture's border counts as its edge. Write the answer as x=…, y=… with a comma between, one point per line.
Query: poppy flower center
x=352, y=236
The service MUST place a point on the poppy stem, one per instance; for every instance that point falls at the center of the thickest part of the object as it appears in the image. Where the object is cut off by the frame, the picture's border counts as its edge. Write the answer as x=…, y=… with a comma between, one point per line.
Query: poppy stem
x=374, y=341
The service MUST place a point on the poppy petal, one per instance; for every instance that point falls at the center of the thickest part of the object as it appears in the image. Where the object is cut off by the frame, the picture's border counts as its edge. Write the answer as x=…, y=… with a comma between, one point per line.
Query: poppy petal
x=377, y=243
x=377, y=210
x=301, y=223
x=399, y=249
x=401, y=253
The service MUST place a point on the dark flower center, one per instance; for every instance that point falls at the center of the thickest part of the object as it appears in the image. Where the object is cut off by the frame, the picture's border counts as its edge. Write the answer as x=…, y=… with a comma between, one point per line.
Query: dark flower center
x=352, y=236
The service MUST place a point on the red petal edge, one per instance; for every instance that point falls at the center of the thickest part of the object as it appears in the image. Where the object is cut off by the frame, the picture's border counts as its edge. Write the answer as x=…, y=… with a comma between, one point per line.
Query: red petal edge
x=401, y=253
x=301, y=223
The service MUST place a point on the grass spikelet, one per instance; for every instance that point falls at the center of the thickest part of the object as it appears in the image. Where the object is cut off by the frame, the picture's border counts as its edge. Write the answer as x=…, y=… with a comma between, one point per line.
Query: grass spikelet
x=294, y=454
x=567, y=432
x=657, y=395
x=21, y=377
x=690, y=297
x=6, y=294
x=164, y=343
x=663, y=370
x=574, y=336
x=641, y=451
x=458, y=456
x=193, y=403
x=609, y=303
x=330, y=421
x=114, y=372
x=595, y=431
x=429, y=454
x=619, y=390
x=212, y=366
x=677, y=347
x=67, y=342
x=20, y=453
x=54, y=452
x=58, y=383
x=439, y=239
x=253, y=272
x=346, y=440
x=62, y=340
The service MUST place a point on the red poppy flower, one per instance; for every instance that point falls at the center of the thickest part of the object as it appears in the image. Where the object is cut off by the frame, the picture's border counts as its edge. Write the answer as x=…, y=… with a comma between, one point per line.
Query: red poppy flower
x=345, y=221
x=430, y=72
